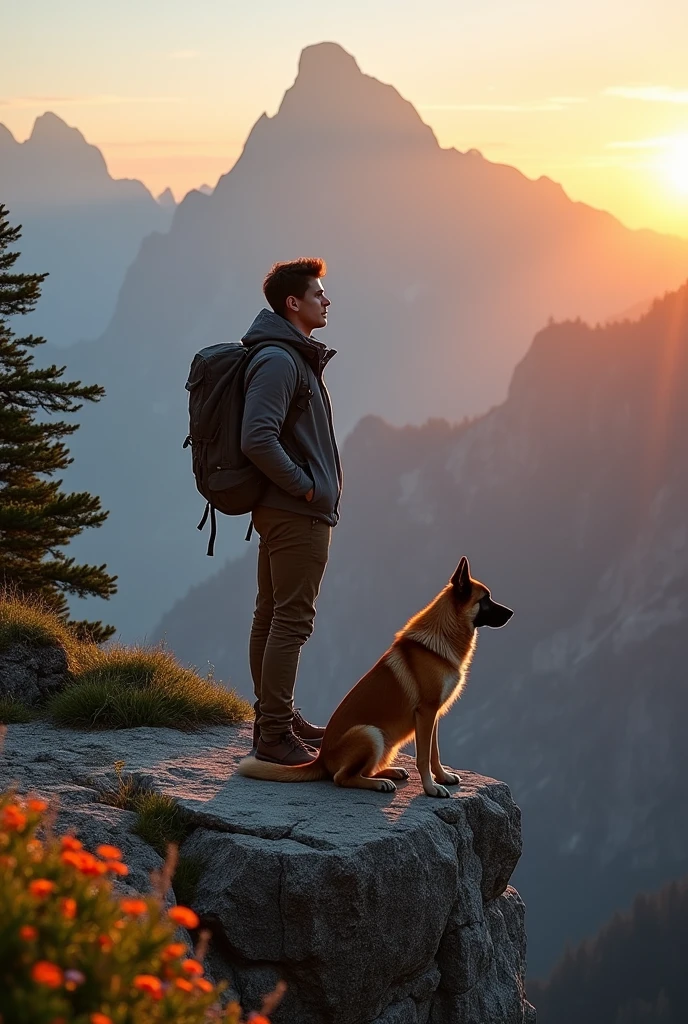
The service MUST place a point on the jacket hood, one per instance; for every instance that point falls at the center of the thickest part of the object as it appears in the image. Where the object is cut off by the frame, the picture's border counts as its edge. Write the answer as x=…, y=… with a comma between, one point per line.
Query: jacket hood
x=270, y=326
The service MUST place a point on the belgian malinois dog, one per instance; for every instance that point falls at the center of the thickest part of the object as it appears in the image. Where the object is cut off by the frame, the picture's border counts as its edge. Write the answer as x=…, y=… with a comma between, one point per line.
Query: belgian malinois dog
x=401, y=698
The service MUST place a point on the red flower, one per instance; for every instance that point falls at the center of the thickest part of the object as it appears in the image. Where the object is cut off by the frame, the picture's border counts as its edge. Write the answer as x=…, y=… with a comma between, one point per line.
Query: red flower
x=134, y=907
x=70, y=843
x=192, y=967
x=183, y=916
x=13, y=817
x=108, y=852
x=68, y=908
x=150, y=984
x=45, y=973
x=41, y=887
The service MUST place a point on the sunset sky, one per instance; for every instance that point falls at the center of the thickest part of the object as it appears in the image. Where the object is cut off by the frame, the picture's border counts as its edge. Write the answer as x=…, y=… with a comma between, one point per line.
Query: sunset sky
x=593, y=94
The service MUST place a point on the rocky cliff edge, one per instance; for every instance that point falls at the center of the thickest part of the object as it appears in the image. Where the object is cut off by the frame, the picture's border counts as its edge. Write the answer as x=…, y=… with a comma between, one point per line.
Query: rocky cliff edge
x=393, y=909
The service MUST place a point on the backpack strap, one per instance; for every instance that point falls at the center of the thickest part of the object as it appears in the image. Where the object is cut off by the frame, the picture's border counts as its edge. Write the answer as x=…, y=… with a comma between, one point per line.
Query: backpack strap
x=302, y=398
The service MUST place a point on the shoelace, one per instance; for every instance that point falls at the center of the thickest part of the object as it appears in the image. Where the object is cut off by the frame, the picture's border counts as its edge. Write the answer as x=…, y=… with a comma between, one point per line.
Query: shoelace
x=297, y=743
x=299, y=718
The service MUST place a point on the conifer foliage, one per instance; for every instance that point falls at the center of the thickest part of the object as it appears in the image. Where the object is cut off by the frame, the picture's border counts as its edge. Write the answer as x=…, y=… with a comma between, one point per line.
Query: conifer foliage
x=38, y=519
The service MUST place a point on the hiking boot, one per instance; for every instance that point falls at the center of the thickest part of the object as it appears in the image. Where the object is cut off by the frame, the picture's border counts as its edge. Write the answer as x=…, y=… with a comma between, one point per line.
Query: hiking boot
x=286, y=749
x=311, y=734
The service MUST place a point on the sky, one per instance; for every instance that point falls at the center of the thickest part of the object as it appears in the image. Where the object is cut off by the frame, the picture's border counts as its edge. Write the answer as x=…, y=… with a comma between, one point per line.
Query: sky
x=593, y=94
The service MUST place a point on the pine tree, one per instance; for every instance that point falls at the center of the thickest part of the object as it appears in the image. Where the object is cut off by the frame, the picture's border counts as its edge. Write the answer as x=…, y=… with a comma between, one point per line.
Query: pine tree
x=37, y=518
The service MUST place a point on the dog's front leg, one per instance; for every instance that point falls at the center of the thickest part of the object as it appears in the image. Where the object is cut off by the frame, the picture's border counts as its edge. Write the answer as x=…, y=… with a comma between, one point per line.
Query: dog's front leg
x=438, y=770
x=425, y=724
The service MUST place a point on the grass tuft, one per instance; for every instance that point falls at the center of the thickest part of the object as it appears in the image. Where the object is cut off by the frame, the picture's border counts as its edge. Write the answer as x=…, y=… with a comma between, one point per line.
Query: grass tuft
x=125, y=687
x=14, y=712
x=159, y=821
x=28, y=621
x=117, y=687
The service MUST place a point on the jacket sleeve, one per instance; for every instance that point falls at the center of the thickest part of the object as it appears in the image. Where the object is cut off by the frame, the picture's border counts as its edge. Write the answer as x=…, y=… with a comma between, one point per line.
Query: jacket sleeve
x=272, y=381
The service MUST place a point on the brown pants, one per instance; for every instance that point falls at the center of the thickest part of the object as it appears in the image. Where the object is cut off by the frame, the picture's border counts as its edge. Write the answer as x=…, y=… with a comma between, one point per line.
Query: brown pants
x=292, y=556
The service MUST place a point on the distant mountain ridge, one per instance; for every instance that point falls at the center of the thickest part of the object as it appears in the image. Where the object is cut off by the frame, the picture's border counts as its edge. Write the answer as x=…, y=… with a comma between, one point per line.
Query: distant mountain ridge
x=631, y=972
x=570, y=500
x=442, y=267
x=79, y=224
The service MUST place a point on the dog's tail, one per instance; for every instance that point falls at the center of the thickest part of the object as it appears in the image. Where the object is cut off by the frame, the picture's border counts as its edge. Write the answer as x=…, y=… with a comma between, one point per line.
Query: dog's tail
x=252, y=768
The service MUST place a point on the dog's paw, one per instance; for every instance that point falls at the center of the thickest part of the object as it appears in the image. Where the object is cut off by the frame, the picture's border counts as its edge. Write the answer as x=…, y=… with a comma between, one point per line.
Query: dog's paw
x=385, y=786
x=448, y=779
x=437, y=791
x=398, y=773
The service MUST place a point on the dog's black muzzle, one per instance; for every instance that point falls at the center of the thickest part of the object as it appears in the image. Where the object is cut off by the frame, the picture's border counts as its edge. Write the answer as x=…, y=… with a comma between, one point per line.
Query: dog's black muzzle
x=492, y=614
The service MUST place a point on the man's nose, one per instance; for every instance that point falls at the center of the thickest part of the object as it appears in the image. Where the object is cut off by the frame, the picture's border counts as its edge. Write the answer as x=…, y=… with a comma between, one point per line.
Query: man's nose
x=326, y=301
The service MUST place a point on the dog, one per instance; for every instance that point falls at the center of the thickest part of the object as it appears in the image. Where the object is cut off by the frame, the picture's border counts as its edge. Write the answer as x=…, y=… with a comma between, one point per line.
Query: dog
x=401, y=698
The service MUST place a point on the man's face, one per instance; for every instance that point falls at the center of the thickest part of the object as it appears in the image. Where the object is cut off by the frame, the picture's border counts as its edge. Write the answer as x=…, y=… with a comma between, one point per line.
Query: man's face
x=312, y=308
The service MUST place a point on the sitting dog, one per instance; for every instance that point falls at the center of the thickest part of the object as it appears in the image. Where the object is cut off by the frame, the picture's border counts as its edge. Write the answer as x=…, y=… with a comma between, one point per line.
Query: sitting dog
x=401, y=698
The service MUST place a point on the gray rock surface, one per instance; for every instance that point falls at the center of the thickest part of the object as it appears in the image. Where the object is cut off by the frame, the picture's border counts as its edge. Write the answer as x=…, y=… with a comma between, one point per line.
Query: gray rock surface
x=386, y=908
x=31, y=673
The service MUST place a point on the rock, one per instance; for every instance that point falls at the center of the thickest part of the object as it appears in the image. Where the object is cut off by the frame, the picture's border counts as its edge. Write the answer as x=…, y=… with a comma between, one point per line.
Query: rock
x=385, y=908
x=30, y=673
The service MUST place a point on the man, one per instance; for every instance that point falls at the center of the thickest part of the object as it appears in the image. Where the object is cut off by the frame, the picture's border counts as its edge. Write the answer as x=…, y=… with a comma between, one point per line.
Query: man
x=299, y=506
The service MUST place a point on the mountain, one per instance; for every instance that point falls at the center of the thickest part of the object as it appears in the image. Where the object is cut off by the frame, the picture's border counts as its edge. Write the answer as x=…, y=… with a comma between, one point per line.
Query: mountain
x=166, y=198
x=631, y=972
x=569, y=498
x=79, y=224
x=442, y=267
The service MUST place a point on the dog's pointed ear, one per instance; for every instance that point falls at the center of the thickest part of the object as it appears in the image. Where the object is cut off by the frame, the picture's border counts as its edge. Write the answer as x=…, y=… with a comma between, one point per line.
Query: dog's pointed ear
x=461, y=580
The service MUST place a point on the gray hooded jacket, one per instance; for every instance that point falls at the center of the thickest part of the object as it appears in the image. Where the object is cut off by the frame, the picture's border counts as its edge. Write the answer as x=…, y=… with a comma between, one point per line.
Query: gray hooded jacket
x=309, y=457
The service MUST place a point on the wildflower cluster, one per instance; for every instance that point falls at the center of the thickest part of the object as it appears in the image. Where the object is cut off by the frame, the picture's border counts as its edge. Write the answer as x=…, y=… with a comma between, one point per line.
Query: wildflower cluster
x=72, y=953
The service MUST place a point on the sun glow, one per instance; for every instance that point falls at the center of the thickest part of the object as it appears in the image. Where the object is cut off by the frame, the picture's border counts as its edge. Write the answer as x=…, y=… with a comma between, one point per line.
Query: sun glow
x=675, y=164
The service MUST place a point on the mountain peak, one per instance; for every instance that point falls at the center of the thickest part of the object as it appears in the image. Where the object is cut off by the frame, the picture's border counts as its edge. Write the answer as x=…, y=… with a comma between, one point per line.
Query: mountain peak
x=49, y=128
x=328, y=60
x=353, y=109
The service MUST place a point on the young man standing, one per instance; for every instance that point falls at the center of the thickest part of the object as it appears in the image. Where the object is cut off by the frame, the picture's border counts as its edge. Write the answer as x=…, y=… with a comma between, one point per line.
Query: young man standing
x=300, y=503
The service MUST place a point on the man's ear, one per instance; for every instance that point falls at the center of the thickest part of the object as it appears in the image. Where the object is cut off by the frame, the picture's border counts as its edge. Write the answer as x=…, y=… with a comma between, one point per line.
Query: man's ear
x=461, y=580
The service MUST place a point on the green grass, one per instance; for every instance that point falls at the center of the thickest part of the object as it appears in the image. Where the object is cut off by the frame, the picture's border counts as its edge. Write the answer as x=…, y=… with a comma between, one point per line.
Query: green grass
x=117, y=687
x=159, y=821
x=24, y=621
x=124, y=687
x=13, y=712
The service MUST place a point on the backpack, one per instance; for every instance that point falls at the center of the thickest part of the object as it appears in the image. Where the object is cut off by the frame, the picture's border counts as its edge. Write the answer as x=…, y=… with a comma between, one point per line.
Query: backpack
x=229, y=482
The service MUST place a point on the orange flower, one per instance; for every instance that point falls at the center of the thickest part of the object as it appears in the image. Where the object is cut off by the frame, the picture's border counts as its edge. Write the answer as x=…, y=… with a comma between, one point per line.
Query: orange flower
x=203, y=984
x=100, y=1018
x=68, y=908
x=116, y=867
x=174, y=950
x=45, y=973
x=109, y=852
x=13, y=817
x=28, y=933
x=134, y=907
x=150, y=984
x=41, y=887
x=258, y=1018
x=70, y=843
x=105, y=943
x=37, y=806
x=183, y=916
x=192, y=967
x=84, y=862
x=183, y=984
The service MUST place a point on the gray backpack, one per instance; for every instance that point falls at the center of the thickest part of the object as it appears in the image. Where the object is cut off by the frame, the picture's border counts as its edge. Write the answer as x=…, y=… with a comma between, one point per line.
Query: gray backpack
x=229, y=482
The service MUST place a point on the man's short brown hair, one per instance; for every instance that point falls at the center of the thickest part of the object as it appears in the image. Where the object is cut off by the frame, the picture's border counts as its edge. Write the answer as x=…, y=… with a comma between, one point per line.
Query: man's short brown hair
x=291, y=278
